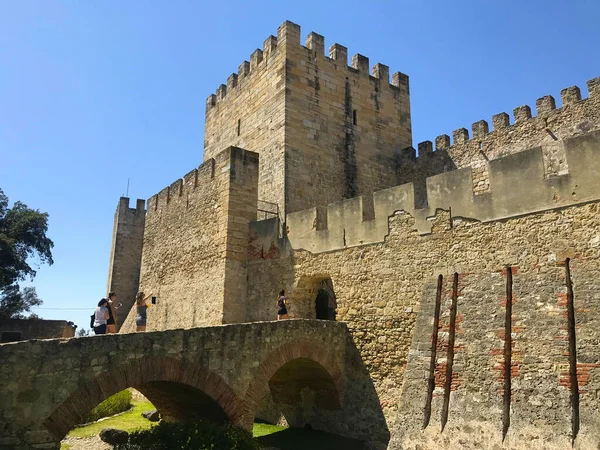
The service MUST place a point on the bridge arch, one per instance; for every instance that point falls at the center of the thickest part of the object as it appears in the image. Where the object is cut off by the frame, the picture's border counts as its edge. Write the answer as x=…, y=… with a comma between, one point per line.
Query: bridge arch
x=165, y=381
x=288, y=369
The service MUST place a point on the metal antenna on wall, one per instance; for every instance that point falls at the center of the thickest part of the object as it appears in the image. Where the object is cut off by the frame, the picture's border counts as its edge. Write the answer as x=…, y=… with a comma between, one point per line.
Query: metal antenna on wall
x=127, y=194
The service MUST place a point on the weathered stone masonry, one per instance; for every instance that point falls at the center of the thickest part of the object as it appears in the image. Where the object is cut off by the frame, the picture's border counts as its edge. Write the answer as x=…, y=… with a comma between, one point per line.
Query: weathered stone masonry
x=384, y=273
x=195, y=244
x=291, y=101
x=48, y=386
x=520, y=199
x=126, y=255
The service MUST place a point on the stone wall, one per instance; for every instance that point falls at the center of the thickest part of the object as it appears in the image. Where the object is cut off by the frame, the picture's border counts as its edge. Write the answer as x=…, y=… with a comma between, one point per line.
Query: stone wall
x=344, y=125
x=342, y=224
x=213, y=371
x=548, y=129
x=35, y=329
x=195, y=244
x=126, y=255
x=386, y=292
x=248, y=112
x=324, y=131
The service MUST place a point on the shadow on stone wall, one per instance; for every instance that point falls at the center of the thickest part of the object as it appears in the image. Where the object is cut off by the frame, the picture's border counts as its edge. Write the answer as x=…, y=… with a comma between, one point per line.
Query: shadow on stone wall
x=360, y=416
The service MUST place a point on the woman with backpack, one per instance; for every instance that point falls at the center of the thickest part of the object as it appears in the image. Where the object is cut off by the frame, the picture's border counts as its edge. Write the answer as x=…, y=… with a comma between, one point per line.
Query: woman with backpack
x=101, y=317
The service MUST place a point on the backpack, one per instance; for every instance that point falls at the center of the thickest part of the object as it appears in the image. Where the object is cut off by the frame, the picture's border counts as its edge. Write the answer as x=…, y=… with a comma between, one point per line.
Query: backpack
x=92, y=320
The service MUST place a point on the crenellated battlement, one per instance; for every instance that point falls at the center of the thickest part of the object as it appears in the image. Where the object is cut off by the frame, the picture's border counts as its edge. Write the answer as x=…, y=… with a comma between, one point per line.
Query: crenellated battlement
x=517, y=187
x=182, y=187
x=259, y=59
x=544, y=106
x=475, y=149
x=288, y=34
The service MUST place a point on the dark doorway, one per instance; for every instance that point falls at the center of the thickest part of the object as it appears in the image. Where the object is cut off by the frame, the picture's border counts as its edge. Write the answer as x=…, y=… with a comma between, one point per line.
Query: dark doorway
x=325, y=303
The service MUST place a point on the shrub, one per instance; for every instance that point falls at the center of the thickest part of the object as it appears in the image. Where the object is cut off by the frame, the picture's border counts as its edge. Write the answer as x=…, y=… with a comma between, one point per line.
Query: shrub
x=201, y=435
x=114, y=404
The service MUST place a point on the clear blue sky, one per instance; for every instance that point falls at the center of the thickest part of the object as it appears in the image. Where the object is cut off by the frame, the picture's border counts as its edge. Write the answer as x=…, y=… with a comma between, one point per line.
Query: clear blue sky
x=95, y=92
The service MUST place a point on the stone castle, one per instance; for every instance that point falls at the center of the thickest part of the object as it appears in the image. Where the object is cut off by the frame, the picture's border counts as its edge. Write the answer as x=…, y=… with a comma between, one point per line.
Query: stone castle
x=467, y=275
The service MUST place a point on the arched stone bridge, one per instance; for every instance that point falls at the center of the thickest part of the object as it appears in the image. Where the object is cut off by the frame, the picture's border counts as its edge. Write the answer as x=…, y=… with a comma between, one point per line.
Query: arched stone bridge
x=220, y=372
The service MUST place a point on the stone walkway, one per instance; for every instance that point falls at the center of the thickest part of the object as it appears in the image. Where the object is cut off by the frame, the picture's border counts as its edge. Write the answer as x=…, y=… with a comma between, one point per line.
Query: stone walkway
x=90, y=443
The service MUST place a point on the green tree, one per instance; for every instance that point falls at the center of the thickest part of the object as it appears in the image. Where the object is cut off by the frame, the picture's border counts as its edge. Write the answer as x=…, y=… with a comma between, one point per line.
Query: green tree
x=22, y=238
x=83, y=332
x=15, y=301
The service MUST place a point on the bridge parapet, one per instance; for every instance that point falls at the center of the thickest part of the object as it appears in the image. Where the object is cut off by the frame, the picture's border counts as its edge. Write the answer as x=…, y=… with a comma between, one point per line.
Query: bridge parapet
x=48, y=386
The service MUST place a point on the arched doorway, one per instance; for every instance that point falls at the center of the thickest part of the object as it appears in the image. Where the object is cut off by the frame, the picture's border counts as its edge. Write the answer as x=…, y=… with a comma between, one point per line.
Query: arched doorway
x=313, y=297
x=325, y=302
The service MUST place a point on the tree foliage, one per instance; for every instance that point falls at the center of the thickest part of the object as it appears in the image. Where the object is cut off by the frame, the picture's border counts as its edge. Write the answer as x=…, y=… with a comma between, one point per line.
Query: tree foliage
x=22, y=236
x=15, y=301
x=202, y=435
x=83, y=332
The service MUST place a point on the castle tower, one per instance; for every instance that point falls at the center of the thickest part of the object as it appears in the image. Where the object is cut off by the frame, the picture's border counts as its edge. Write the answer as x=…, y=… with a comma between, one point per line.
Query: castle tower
x=126, y=254
x=325, y=131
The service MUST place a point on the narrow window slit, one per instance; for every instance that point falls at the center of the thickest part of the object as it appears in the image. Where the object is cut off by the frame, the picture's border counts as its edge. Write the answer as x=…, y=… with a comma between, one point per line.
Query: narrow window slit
x=434, y=341
x=354, y=119
x=450, y=355
x=507, y=353
x=239, y=126
x=574, y=384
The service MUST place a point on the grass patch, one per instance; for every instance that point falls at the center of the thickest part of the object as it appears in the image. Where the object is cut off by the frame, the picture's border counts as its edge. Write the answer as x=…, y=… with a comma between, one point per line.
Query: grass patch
x=114, y=404
x=128, y=421
x=264, y=429
x=266, y=434
x=65, y=447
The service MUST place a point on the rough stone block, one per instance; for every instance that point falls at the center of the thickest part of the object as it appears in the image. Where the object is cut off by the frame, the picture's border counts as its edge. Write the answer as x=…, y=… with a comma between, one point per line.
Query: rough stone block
x=480, y=129
x=442, y=142
x=500, y=121
x=316, y=43
x=360, y=63
x=338, y=52
x=522, y=113
x=593, y=86
x=545, y=105
x=425, y=148
x=114, y=436
x=382, y=72
x=460, y=136
x=570, y=95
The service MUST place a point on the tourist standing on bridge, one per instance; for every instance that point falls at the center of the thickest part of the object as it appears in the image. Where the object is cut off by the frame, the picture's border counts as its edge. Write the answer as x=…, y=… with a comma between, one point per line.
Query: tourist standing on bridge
x=141, y=302
x=101, y=317
x=282, y=304
x=111, y=323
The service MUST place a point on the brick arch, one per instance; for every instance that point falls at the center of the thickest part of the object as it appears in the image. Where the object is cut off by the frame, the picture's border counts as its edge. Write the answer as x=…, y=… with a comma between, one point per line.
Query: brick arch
x=277, y=359
x=137, y=373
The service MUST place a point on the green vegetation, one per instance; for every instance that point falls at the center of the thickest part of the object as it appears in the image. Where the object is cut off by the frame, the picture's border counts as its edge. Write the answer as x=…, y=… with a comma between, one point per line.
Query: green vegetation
x=23, y=242
x=129, y=421
x=114, y=404
x=264, y=429
x=65, y=447
x=202, y=435
x=225, y=437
